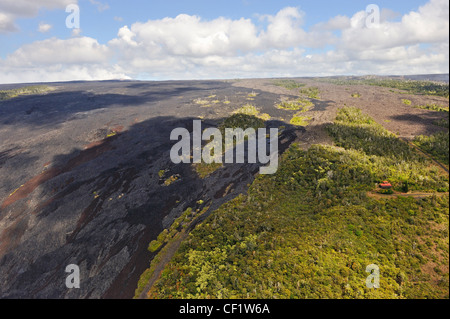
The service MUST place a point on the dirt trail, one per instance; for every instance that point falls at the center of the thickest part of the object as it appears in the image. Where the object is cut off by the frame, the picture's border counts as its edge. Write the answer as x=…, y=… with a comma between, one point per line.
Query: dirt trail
x=442, y=167
x=169, y=251
x=375, y=195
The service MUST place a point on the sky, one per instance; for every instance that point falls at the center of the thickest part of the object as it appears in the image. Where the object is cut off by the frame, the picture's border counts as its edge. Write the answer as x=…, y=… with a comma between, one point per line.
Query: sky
x=67, y=40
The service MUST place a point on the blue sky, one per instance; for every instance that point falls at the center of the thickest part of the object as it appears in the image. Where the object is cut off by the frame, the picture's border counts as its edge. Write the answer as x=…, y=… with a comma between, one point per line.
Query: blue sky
x=257, y=38
x=100, y=23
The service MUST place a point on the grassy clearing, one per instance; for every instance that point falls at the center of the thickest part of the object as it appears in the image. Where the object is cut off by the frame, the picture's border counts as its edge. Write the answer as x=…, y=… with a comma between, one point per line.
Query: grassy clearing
x=27, y=90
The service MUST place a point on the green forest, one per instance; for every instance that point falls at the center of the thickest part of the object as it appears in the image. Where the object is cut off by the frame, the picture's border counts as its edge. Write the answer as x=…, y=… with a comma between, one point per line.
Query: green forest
x=408, y=86
x=27, y=90
x=435, y=145
x=310, y=230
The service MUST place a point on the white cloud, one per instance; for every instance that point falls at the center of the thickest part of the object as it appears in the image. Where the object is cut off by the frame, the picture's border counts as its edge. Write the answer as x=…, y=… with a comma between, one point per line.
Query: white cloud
x=56, y=51
x=44, y=27
x=284, y=29
x=430, y=24
x=187, y=35
x=336, y=23
x=53, y=59
x=189, y=47
x=10, y=10
x=76, y=32
x=189, y=42
x=7, y=23
x=100, y=6
x=58, y=73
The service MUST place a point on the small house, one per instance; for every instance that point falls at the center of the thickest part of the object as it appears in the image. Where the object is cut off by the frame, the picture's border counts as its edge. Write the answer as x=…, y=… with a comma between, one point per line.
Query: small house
x=385, y=185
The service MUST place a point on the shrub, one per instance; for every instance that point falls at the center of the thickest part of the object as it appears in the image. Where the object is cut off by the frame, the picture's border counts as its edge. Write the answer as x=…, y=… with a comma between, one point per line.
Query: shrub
x=406, y=102
x=300, y=120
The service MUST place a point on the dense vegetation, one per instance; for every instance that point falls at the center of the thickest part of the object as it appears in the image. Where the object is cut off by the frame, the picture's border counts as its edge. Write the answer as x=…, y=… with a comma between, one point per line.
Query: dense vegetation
x=242, y=120
x=442, y=123
x=246, y=117
x=390, y=157
x=27, y=90
x=436, y=145
x=310, y=92
x=413, y=87
x=310, y=230
x=288, y=84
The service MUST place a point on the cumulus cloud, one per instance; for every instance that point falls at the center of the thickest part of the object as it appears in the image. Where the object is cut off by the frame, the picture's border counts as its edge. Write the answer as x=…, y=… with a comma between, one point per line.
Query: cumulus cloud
x=59, y=72
x=100, y=6
x=10, y=10
x=188, y=41
x=187, y=35
x=7, y=23
x=284, y=29
x=336, y=23
x=57, y=51
x=189, y=47
x=54, y=59
x=429, y=24
x=76, y=32
x=44, y=27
